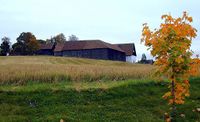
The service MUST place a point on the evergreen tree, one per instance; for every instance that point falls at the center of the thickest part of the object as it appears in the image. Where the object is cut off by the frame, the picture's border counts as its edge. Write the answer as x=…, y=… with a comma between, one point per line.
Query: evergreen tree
x=5, y=46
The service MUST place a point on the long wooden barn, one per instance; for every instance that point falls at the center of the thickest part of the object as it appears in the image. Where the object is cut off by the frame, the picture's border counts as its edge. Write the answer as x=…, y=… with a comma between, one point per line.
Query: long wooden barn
x=94, y=49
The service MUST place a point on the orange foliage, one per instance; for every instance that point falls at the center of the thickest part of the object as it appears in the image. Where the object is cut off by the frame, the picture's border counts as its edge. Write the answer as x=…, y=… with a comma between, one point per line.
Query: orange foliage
x=170, y=45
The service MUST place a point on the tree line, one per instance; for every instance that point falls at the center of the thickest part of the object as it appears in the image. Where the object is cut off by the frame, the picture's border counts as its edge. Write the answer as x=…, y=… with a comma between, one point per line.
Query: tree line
x=28, y=44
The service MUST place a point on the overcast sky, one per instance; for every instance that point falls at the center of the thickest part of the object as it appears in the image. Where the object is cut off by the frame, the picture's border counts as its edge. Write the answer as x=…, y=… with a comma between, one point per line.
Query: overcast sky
x=113, y=21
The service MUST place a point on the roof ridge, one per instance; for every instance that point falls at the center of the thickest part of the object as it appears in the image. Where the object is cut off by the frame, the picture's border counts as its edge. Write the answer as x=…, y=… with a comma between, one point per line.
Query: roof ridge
x=90, y=44
x=124, y=43
x=108, y=45
x=90, y=40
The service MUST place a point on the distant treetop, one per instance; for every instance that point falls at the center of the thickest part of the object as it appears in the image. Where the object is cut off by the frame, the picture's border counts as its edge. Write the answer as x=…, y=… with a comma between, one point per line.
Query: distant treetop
x=60, y=38
x=73, y=38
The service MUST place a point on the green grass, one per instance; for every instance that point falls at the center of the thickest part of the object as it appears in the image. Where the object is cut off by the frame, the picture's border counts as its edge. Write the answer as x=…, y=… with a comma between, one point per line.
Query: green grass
x=130, y=100
x=45, y=88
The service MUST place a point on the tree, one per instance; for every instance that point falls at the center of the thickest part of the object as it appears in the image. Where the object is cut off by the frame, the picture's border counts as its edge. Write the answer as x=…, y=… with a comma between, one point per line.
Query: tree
x=18, y=48
x=26, y=44
x=51, y=40
x=60, y=38
x=40, y=41
x=5, y=46
x=170, y=45
x=144, y=58
x=73, y=38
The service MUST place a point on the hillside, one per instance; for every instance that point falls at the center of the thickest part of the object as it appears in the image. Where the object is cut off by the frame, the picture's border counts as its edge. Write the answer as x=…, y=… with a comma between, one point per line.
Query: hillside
x=131, y=101
x=20, y=70
x=43, y=88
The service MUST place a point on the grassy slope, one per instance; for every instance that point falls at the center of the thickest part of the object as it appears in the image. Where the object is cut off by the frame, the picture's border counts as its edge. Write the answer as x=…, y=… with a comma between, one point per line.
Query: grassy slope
x=135, y=101
x=56, y=60
x=130, y=100
x=22, y=69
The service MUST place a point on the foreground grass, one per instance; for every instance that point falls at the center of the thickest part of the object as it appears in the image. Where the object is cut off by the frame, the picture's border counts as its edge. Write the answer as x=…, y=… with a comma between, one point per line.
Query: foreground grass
x=131, y=100
x=22, y=69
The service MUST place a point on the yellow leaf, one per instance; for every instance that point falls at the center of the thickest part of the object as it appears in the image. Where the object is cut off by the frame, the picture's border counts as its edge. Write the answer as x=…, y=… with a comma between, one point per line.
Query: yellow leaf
x=190, y=19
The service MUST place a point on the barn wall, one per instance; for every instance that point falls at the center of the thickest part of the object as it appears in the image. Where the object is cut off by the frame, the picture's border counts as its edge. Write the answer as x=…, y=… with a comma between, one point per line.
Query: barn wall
x=104, y=54
x=116, y=55
x=45, y=52
x=58, y=53
x=91, y=53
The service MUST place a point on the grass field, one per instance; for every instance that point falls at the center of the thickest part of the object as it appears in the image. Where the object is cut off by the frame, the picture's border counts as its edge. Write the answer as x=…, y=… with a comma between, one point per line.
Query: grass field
x=131, y=100
x=20, y=70
x=99, y=91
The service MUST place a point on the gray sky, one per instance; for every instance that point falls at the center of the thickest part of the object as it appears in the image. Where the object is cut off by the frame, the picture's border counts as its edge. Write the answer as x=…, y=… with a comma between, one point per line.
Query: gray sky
x=113, y=21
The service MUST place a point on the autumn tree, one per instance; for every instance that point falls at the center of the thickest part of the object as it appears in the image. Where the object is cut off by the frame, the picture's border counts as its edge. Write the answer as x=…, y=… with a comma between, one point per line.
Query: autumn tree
x=170, y=45
x=26, y=44
x=5, y=46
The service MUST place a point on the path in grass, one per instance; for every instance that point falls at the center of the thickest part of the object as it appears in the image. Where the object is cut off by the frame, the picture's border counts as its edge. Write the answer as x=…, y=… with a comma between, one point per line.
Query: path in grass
x=135, y=101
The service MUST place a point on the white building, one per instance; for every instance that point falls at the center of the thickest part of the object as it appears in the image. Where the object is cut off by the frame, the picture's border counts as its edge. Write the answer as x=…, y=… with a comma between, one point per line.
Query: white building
x=130, y=51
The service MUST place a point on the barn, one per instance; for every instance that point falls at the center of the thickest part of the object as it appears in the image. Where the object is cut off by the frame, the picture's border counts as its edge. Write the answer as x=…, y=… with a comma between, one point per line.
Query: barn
x=130, y=51
x=46, y=49
x=58, y=49
x=94, y=49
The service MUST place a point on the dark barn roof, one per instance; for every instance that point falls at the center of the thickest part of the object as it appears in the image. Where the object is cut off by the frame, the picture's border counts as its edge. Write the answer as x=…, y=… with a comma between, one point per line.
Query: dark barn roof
x=59, y=47
x=89, y=44
x=129, y=48
x=46, y=49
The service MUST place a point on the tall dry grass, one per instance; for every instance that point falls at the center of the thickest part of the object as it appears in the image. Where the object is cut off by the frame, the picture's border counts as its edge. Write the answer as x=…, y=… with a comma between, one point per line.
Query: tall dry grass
x=20, y=70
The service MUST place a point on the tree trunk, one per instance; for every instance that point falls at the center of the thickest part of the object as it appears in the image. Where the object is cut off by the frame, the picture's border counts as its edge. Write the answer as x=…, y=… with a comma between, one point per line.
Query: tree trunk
x=173, y=112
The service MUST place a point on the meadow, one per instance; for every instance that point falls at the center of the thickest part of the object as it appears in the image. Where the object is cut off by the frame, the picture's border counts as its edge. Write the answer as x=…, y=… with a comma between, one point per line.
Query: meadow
x=42, y=88
x=20, y=70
